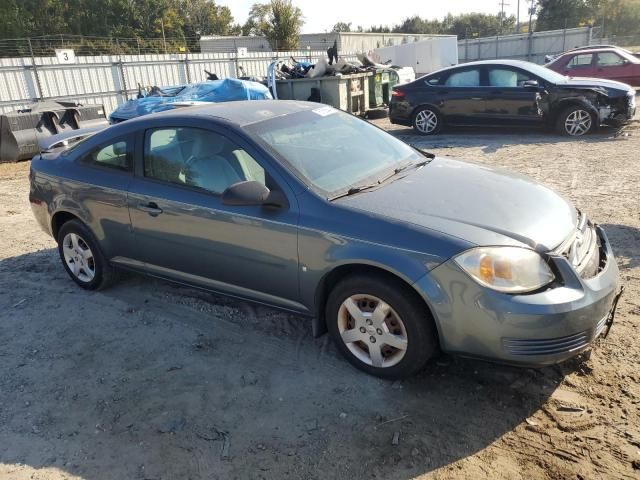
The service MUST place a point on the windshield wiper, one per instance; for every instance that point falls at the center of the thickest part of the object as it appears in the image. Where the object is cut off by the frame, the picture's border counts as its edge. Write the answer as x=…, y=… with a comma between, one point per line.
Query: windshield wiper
x=360, y=188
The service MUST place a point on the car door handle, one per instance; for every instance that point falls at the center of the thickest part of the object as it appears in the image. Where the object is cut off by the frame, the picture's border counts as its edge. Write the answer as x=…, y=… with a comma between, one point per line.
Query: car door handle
x=151, y=208
x=477, y=98
x=443, y=92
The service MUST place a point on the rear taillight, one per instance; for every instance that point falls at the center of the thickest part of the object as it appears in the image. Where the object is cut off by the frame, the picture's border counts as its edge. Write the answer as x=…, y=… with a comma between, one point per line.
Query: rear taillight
x=397, y=94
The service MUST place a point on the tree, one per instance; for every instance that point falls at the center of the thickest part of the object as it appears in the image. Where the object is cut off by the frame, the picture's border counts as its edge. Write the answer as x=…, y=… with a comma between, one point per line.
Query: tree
x=341, y=27
x=279, y=21
x=467, y=24
x=557, y=14
x=618, y=17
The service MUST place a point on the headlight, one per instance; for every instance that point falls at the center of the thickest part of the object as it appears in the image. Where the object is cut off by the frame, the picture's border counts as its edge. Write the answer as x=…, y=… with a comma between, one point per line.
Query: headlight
x=506, y=269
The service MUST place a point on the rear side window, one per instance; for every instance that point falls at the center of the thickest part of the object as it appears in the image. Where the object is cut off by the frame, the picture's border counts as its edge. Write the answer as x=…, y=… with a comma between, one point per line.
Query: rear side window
x=609, y=59
x=466, y=78
x=434, y=80
x=116, y=155
x=197, y=158
x=581, y=61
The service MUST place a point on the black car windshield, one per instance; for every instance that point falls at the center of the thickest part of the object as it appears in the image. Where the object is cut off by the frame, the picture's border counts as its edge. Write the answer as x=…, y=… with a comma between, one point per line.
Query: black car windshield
x=332, y=150
x=545, y=73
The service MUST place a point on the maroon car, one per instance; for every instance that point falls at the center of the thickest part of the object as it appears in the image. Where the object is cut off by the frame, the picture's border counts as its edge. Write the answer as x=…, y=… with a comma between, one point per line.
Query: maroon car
x=610, y=63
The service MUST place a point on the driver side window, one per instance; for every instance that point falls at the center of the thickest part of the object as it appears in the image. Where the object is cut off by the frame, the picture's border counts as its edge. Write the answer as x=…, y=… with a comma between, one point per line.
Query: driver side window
x=506, y=77
x=609, y=59
x=197, y=158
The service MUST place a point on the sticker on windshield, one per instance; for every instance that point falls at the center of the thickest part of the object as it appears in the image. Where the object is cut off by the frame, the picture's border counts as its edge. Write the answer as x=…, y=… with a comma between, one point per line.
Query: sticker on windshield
x=324, y=111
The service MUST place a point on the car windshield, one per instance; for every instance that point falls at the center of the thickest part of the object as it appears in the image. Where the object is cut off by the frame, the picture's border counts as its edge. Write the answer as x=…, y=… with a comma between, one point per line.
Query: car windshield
x=334, y=151
x=545, y=73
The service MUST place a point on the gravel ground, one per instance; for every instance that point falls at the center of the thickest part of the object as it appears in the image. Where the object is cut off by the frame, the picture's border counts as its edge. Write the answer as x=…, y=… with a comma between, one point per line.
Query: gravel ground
x=151, y=381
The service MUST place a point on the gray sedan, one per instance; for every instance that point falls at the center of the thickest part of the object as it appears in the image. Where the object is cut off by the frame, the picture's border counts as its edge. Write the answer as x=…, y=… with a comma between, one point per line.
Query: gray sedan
x=397, y=253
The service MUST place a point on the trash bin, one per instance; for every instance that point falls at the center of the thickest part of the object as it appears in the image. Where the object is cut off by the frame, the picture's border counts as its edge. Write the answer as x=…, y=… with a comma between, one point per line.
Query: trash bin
x=345, y=92
x=380, y=85
x=21, y=130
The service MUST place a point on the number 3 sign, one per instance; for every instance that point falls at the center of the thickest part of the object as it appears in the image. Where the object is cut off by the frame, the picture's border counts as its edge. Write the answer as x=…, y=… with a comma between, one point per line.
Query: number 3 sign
x=66, y=55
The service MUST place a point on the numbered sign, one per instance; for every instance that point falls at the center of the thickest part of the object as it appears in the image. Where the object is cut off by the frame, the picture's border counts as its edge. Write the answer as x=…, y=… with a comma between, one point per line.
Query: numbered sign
x=66, y=55
x=242, y=52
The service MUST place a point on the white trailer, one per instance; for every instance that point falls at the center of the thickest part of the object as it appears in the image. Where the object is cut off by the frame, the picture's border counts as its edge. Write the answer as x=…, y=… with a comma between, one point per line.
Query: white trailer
x=425, y=56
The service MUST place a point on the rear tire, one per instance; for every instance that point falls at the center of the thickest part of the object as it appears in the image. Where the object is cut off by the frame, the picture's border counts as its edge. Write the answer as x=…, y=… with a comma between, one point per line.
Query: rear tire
x=381, y=326
x=427, y=121
x=82, y=257
x=575, y=121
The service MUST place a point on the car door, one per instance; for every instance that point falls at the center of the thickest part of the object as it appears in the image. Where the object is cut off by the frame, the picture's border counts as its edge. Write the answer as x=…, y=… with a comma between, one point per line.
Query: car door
x=508, y=100
x=100, y=190
x=613, y=66
x=185, y=232
x=461, y=96
x=579, y=65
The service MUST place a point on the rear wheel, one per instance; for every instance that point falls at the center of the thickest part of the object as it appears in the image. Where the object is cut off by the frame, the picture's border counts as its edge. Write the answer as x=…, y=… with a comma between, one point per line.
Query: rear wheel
x=380, y=326
x=574, y=121
x=427, y=121
x=82, y=258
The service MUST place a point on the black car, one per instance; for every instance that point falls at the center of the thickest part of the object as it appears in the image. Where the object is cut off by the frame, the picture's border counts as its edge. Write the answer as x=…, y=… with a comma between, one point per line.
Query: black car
x=510, y=92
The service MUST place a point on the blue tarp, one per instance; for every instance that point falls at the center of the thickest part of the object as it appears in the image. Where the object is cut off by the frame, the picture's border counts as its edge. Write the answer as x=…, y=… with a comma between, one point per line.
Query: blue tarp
x=226, y=90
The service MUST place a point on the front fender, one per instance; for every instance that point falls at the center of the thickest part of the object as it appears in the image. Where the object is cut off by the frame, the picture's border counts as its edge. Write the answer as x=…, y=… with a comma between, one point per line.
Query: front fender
x=580, y=100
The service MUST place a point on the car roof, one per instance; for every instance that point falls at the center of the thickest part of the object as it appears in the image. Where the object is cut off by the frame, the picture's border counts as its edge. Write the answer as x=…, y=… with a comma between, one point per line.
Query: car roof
x=512, y=63
x=240, y=113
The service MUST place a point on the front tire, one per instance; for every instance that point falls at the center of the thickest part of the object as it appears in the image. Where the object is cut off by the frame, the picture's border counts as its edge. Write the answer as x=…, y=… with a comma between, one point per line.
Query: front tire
x=427, y=121
x=82, y=258
x=575, y=121
x=380, y=326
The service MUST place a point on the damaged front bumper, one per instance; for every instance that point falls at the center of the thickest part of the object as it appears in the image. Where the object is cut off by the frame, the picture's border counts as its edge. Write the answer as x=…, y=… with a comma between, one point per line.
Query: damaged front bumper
x=530, y=329
x=620, y=114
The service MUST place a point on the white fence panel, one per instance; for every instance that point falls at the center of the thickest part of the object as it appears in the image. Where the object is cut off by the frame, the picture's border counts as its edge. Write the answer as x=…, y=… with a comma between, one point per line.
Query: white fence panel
x=112, y=79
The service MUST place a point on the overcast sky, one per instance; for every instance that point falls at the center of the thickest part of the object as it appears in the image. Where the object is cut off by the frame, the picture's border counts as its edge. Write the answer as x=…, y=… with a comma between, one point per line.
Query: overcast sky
x=321, y=15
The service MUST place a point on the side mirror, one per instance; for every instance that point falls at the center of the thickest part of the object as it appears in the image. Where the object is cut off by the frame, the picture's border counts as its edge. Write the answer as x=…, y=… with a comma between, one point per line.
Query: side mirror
x=251, y=193
x=531, y=84
x=625, y=62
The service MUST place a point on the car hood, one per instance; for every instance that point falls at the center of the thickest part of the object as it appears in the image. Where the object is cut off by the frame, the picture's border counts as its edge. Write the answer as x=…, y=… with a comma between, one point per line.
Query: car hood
x=479, y=204
x=587, y=82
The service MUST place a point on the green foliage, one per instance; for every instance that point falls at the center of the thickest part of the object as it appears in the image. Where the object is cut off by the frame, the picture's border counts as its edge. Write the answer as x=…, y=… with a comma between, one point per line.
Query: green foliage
x=619, y=17
x=114, y=18
x=341, y=27
x=464, y=25
x=280, y=21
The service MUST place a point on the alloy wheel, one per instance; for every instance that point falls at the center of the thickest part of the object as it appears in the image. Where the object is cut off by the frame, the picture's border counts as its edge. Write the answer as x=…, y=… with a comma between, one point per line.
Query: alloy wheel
x=78, y=257
x=578, y=123
x=426, y=121
x=372, y=330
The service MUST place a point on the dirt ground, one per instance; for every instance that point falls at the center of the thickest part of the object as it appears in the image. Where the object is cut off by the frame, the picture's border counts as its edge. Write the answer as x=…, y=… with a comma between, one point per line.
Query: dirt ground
x=151, y=381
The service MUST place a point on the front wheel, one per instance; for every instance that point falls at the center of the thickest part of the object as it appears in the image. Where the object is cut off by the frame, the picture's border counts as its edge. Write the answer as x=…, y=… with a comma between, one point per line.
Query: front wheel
x=427, y=121
x=574, y=121
x=380, y=326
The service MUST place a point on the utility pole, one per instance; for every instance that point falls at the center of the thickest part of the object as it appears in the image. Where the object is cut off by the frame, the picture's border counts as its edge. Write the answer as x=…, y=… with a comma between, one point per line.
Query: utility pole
x=518, y=18
x=164, y=40
x=532, y=10
x=502, y=5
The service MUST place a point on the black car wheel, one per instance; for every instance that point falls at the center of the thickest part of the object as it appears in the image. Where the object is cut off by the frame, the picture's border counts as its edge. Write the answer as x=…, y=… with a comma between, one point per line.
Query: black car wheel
x=574, y=121
x=380, y=326
x=427, y=121
x=82, y=258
